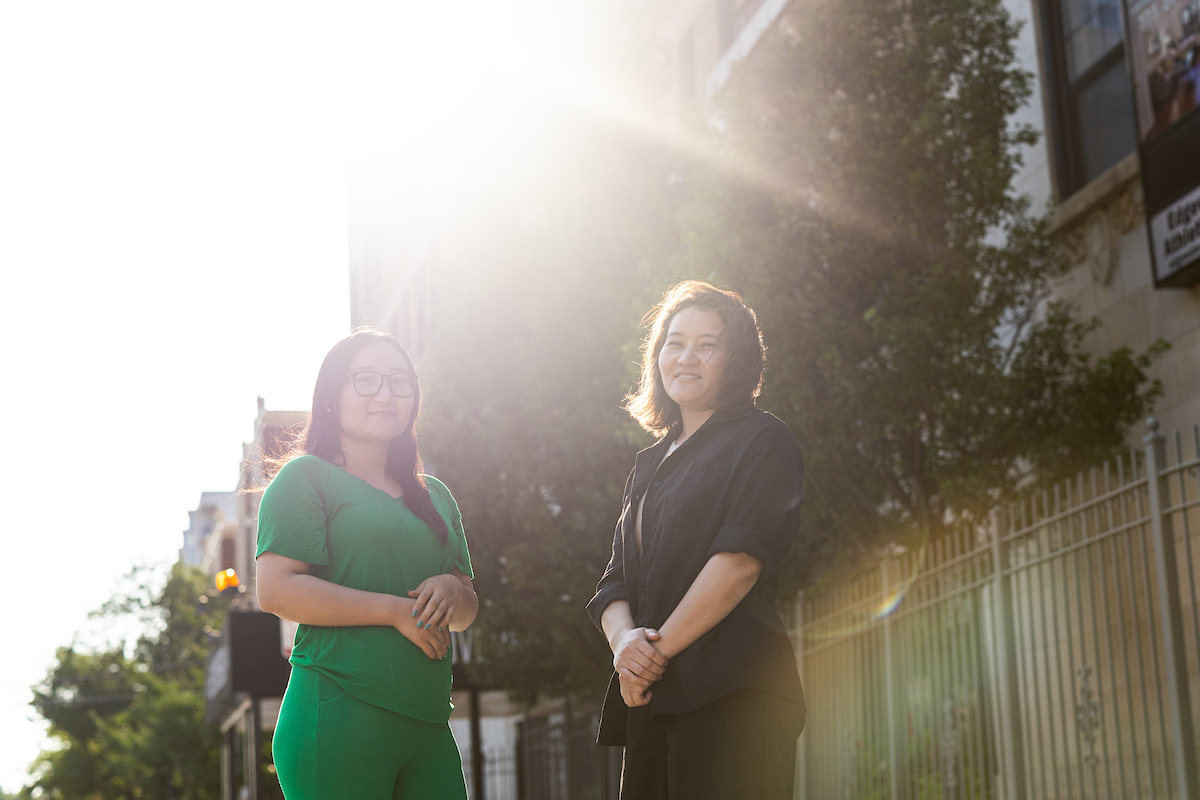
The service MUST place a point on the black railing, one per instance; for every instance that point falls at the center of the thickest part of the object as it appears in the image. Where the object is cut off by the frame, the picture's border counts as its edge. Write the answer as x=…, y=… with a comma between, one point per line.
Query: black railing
x=500, y=774
x=558, y=758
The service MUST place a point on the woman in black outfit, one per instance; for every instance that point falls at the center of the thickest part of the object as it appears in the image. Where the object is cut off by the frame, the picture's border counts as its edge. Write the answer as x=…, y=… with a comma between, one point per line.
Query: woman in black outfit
x=705, y=697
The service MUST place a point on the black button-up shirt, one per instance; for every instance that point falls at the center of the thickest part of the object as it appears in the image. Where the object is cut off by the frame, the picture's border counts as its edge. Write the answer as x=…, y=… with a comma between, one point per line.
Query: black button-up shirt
x=733, y=486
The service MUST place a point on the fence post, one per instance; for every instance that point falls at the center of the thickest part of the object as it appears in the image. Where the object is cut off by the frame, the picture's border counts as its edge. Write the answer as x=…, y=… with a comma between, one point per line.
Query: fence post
x=889, y=670
x=568, y=775
x=1162, y=531
x=253, y=747
x=801, y=762
x=1012, y=746
x=522, y=770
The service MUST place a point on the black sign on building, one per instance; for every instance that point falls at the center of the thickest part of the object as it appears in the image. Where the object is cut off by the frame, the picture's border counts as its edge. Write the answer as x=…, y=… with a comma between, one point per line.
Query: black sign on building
x=1162, y=38
x=245, y=661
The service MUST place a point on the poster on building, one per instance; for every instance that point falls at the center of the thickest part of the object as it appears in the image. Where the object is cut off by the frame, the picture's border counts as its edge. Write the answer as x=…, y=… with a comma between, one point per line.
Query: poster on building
x=1162, y=41
x=1165, y=62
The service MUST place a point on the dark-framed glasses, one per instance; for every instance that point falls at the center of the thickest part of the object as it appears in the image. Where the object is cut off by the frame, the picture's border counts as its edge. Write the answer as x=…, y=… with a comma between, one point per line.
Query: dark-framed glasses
x=368, y=383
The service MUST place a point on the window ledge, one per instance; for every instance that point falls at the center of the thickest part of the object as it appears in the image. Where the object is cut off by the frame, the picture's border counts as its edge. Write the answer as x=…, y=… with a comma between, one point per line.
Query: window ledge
x=1075, y=208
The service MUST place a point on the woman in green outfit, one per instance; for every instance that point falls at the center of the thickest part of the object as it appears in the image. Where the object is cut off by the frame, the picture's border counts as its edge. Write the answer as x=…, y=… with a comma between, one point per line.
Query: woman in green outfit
x=369, y=557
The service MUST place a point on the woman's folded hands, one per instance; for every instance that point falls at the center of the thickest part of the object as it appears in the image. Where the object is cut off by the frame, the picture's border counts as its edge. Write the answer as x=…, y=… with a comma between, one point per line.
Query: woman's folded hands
x=638, y=664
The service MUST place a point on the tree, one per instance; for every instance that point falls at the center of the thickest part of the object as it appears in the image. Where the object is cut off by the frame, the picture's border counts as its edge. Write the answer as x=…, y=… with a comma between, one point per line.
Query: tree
x=129, y=723
x=523, y=384
x=864, y=206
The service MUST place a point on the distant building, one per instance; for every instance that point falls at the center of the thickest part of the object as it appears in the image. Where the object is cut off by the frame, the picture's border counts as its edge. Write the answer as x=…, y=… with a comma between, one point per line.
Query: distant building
x=214, y=508
x=224, y=527
x=274, y=432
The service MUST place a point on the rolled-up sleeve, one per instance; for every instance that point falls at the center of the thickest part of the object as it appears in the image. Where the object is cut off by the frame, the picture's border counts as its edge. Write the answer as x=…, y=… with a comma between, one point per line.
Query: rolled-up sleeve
x=612, y=584
x=763, y=510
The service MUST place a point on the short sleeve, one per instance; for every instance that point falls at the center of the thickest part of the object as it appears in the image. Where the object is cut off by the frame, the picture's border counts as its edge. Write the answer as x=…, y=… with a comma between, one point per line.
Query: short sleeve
x=291, y=517
x=763, y=504
x=445, y=504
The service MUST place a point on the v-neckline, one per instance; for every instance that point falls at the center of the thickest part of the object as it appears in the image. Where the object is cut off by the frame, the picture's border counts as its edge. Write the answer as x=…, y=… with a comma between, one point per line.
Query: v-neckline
x=367, y=483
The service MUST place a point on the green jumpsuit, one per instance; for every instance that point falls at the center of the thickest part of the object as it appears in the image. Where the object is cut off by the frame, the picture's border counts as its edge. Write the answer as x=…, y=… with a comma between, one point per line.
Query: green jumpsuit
x=366, y=712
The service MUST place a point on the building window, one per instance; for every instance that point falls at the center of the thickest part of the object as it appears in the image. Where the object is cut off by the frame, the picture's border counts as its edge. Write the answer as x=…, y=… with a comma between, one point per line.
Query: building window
x=1093, y=126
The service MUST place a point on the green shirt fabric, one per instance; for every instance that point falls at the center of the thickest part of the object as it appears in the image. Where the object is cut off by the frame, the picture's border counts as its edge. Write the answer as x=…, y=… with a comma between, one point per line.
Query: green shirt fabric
x=358, y=536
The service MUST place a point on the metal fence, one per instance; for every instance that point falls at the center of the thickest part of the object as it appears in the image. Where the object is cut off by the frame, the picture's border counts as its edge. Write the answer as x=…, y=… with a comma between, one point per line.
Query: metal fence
x=1050, y=654
x=500, y=778
x=559, y=759
x=1053, y=653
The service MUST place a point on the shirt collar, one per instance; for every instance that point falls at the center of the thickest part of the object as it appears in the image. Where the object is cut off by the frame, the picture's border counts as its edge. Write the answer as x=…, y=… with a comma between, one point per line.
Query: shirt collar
x=718, y=417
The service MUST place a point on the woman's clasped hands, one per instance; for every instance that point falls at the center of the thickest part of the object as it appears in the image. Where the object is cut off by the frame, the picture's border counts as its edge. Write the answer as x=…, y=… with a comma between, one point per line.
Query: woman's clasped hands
x=638, y=664
x=435, y=601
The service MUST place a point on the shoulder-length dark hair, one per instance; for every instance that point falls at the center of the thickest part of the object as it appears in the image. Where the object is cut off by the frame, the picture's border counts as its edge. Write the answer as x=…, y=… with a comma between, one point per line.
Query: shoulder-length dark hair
x=321, y=435
x=745, y=355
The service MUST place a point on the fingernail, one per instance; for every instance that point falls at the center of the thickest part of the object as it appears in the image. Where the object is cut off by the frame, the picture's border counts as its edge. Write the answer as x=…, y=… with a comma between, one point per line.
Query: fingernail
x=441, y=628
x=415, y=610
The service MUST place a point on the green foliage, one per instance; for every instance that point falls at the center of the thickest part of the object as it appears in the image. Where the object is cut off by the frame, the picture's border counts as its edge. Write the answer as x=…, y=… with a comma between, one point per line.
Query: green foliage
x=132, y=725
x=863, y=205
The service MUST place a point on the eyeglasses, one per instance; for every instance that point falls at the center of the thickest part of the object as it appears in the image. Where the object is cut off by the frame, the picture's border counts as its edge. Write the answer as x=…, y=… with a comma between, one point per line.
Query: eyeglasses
x=368, y=383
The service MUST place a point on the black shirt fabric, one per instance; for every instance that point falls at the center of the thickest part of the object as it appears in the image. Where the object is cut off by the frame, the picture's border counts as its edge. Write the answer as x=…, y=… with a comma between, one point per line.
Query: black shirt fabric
x=733, y=486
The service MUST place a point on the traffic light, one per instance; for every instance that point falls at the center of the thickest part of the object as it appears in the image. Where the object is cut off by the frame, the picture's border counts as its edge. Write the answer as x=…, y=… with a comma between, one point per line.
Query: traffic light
x=228, y=583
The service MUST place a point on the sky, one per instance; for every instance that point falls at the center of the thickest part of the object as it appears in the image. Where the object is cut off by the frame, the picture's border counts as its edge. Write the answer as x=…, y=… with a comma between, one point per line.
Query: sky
x=173, y=245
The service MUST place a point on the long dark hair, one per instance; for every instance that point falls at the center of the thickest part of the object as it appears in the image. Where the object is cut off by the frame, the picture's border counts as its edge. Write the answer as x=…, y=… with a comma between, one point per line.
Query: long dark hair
x=322, y=437
x=741, y=381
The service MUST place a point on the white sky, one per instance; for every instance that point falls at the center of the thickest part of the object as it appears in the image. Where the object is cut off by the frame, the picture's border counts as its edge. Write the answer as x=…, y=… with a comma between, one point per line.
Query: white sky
x=173, y=244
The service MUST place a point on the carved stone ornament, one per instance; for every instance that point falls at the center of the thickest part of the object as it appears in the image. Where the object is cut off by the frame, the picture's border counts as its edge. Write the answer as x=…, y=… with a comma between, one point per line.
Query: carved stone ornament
x=1100, y=241
x=1094, y=241
x=1128, y=209
x=1074, y=245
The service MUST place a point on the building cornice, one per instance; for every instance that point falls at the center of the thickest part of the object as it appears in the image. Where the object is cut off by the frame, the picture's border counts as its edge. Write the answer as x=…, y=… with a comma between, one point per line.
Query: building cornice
x=1115, y=180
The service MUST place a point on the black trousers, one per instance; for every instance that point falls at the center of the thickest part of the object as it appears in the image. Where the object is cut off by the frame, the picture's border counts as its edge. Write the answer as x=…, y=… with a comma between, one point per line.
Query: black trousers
x=740, y=746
